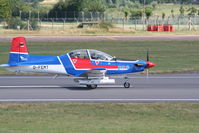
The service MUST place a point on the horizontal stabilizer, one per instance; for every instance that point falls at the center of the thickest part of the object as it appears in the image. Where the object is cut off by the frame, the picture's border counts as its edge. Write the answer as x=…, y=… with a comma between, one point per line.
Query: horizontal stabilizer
x=4, y=65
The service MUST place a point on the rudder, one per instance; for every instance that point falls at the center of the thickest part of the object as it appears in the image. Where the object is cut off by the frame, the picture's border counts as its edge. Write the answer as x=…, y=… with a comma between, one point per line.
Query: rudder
x=18, y=51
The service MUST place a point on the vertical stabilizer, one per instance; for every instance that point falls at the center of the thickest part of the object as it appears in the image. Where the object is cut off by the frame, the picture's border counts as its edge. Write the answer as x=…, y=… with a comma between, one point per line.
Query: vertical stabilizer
x=18, y=51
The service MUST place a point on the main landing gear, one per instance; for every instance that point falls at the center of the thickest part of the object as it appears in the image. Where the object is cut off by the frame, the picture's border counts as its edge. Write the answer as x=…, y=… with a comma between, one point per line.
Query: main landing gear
x=91, y=86
x=94, y=86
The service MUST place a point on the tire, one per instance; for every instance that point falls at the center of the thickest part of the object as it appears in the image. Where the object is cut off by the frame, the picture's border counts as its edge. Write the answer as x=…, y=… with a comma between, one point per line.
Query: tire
x=91, y=86
x=127, y=85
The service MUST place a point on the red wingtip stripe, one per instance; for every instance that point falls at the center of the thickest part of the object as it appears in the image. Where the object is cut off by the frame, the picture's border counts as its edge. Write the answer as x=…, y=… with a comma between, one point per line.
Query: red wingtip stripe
x=19, y=45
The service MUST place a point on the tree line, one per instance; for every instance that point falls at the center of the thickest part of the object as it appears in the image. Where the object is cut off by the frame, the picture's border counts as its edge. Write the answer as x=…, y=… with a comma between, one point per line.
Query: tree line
x=11, y=10
x=130, y=8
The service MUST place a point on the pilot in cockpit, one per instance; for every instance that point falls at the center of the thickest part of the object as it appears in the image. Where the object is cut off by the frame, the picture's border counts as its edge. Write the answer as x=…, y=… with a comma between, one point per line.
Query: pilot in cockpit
x=93, y=56
x=74, y=55
x=71, y=55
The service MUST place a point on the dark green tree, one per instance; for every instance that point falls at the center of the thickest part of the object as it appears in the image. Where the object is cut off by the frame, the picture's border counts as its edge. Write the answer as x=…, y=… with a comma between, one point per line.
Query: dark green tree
x=126, y=13
x=163, y=15
x=74, y=6
x=154, y=4
x=19, y=6
x=172, y=13
x=5, y=9
x=136, y=14
x=137, y=5
x=93, y=6
x=192, y=11
x=14, y=23
x=58, y=9
x=182, y=10
x=148, y=12
x=32, y=0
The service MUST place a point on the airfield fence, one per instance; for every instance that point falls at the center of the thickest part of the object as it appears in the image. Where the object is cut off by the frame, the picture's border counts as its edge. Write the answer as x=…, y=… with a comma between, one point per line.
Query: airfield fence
x=67, y=19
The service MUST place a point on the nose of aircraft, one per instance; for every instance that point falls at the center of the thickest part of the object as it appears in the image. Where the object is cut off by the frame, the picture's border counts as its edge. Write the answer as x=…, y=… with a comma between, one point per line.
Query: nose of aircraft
x=150, y=64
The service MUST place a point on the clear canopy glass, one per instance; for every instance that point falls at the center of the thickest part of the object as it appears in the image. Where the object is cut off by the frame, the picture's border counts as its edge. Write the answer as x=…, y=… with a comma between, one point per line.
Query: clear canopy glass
x=98, y=55
x=90, y=53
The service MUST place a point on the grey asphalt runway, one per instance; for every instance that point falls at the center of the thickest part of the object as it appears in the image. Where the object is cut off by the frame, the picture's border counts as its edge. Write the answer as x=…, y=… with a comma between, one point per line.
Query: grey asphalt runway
x=102, y=38
x=156, y=88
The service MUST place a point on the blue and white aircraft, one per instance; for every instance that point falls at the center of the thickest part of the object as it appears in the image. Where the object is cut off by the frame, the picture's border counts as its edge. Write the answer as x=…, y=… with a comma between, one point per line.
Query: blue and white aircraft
x=91, y=67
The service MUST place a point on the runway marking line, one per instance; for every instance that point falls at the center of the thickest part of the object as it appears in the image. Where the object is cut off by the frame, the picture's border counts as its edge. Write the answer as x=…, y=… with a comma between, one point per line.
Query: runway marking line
x=99, y=100
x=40, y=86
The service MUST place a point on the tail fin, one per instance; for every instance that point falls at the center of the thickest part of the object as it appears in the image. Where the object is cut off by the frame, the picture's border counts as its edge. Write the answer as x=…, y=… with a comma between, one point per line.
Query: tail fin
x=18, y=51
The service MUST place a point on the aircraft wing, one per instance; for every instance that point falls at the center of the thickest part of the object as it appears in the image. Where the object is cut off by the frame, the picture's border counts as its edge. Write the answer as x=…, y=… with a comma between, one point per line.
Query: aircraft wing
x=95, y=77
x=96, y=73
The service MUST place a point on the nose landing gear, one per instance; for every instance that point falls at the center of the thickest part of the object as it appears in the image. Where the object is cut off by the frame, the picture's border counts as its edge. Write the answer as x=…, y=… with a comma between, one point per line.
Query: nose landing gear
x=126, y=83
x=91, y=86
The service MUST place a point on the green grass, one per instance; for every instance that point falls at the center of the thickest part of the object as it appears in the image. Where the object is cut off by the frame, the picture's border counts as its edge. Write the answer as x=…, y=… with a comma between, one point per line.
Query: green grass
x=170, y=56
x=99, y=118
x=60, y=31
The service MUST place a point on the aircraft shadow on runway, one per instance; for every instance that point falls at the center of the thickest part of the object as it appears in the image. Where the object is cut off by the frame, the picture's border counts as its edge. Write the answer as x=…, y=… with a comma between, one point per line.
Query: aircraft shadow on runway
x=87, y=89
x=77, y=88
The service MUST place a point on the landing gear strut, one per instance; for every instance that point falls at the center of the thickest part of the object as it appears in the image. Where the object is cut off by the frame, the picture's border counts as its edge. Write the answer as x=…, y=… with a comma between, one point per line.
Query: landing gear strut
x=126, y=83
x=91, y=86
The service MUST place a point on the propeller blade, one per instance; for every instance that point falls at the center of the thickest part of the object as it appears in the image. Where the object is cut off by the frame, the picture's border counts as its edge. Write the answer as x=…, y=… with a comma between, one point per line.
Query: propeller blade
x=147, y=55
x=149, y=64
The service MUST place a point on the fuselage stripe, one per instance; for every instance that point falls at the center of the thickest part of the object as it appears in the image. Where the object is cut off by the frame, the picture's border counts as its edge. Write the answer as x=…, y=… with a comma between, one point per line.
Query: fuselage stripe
x=91, y=66
x=18, y=53
x=61, y=62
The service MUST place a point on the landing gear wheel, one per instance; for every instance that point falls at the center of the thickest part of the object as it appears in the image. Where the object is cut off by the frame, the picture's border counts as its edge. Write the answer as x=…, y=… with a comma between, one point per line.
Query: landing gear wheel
x=91, y=86
x=127, y=85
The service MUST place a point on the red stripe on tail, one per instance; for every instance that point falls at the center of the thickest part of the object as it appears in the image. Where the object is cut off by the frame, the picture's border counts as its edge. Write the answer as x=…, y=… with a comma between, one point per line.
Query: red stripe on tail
x=19, y=45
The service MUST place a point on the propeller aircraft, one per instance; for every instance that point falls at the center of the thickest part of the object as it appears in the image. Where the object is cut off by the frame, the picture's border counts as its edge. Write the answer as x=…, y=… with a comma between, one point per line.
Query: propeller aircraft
x=90, y=67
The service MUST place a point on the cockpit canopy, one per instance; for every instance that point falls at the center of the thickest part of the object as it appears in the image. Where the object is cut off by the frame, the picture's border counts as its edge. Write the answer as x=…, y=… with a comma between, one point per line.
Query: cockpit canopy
x=90, y=54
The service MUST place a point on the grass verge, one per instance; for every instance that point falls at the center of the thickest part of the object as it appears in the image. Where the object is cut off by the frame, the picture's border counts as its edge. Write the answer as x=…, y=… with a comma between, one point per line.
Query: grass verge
x=93, y=32
x=99, y=118
x=170, y=56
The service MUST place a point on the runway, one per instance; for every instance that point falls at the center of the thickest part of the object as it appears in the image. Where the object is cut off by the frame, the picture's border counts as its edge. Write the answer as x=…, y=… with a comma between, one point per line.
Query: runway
x=103, y=38
x=155, y=88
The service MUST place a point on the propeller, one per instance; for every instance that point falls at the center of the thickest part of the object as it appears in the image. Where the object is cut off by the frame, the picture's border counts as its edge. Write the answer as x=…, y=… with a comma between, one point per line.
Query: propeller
x=149, y=64
x=147, y=55
x=147, y=59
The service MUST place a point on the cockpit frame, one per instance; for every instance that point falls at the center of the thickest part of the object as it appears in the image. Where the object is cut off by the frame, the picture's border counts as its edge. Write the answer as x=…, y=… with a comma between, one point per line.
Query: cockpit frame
x=91, y=54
